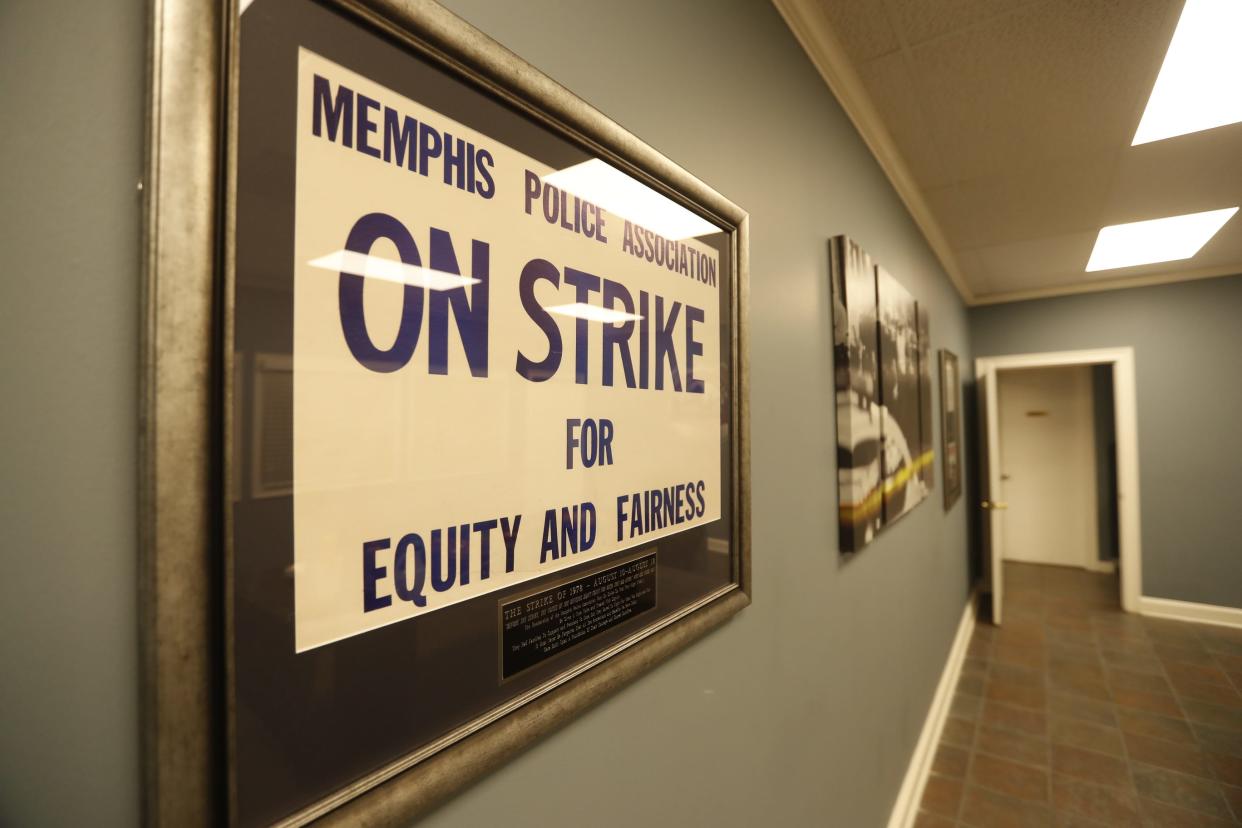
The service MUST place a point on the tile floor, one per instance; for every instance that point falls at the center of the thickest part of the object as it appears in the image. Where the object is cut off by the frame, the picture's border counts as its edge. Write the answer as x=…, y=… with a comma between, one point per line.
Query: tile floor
x=1077, y=714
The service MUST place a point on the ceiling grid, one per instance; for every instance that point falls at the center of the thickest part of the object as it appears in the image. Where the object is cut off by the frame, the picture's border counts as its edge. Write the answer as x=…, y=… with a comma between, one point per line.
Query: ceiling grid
x=1005, y=126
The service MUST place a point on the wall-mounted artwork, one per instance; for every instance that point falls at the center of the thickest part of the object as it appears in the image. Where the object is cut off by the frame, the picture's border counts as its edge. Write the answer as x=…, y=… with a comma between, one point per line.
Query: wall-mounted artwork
x=951, y=426
x=407, y=605
x=856, y=360
x=926, y=459
x=883, y=396
x=900, y=398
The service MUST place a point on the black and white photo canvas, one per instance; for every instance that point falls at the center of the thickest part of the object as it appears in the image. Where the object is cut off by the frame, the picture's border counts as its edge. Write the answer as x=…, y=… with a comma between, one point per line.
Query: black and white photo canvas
x=926, y=454
x=951, y=426
x=856, y=363
x=900, y=405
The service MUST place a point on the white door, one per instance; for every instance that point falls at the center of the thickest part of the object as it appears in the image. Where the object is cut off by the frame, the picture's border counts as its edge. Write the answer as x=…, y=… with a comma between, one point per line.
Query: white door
x=991, y=511
x=1047, y=465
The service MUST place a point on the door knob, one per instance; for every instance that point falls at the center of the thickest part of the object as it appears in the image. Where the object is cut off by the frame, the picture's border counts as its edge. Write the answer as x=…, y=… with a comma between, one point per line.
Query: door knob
x=991, y=504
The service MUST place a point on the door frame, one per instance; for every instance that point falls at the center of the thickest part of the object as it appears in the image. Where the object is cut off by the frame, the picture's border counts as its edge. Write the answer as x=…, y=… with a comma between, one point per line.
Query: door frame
x=1129, y=535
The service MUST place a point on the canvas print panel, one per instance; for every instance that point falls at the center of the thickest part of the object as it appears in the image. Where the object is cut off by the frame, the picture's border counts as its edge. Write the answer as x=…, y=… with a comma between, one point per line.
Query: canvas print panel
x=856, y=380
x=899, y=397
x=950, y=427
x=925, y=459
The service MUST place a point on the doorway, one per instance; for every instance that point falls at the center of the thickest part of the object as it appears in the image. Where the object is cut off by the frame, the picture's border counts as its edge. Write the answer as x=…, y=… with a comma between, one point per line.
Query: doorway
x=1056, y=447
x=1059, y=465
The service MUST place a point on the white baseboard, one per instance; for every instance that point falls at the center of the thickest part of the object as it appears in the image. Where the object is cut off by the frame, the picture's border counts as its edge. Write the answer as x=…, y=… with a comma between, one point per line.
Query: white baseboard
x=1106, y=567
x=906, y=808
x=1188, y=611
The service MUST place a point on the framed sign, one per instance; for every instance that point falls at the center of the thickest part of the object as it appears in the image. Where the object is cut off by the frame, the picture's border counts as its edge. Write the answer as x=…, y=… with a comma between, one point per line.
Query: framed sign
x=445, y=427
x=951, y=426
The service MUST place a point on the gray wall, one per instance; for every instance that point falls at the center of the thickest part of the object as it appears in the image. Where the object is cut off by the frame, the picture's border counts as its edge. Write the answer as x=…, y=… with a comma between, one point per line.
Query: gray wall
x=69, y=228
x=1187, y=339
x=803, y=710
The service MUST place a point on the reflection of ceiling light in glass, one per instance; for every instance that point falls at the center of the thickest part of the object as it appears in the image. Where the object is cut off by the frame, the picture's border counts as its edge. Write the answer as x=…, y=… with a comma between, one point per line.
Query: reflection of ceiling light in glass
x=373, y=267
x=621, y=195
x=592, y=313
x=1200, y=83
x=1157, y=240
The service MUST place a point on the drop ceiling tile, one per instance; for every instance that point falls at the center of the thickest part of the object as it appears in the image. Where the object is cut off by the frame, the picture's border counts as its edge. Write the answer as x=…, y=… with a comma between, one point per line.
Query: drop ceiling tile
x=973, y=272
x=862, y=27
x=1035, y=264
x=1225, y=248
x=920, y=20
x=1056, y=198
x=891, y=90
x=949, y=208
x=1188, y=174
x=1051, y=80
x=1065, y=259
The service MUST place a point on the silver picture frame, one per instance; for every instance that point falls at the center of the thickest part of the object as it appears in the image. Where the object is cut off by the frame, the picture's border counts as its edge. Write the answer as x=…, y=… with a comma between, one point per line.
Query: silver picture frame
x=951, y=426
x=188, y=418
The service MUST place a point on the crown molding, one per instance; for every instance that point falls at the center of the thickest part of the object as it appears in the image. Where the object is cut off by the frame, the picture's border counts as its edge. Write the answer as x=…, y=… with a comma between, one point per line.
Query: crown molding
x=813, y=31
x=1122, y=283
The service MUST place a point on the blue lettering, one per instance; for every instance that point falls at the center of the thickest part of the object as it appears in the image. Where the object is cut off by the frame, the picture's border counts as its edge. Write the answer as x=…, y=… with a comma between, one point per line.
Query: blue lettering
x=443, y=566
x=545, y=369
x=411, y=543
x=569, y=530
x=664, y=349
x=429, y=145
x=605, y=442
x=455, y=152
x=463, y=552
x=571, y=441
x=590, y=443
x=584, y=285
x=366, y=126
x=365, y=232
x=643, y=349
x=586, y=526
x=621, y=503
x=509, y=534
x=617, y=336
x=485, y=186
x=399, y=139
x=484, y=528
x=471, y=316
x=371, y=573
x=533, y=186
x=549, y=537
x=339, y=112
x=693, y=349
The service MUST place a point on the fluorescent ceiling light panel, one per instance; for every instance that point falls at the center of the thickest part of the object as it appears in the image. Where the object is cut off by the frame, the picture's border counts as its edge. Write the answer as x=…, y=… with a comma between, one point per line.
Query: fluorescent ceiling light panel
x=592, y=313
x=1200, y=83
x=1157, y=240
x=607, y=187
x=373, y=267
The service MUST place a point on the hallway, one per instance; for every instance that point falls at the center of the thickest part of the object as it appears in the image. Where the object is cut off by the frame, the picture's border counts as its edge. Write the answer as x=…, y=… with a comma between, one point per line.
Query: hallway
x=1076, y=714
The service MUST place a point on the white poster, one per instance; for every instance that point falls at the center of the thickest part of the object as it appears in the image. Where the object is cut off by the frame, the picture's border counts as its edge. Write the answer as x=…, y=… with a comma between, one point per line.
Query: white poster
x=521, y=380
